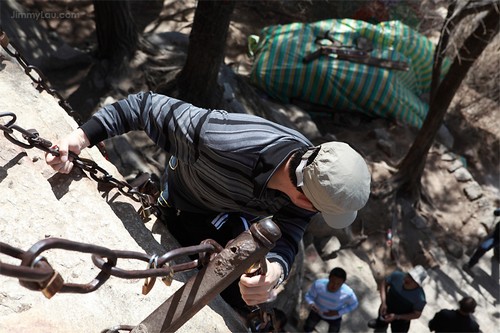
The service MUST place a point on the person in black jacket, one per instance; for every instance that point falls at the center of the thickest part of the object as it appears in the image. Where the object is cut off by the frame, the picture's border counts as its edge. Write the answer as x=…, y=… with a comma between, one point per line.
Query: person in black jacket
x=228, y=170
x=456, y=320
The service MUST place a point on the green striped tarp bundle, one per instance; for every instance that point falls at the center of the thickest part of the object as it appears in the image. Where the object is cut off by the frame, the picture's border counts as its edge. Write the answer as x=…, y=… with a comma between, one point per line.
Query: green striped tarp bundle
x=343, y=85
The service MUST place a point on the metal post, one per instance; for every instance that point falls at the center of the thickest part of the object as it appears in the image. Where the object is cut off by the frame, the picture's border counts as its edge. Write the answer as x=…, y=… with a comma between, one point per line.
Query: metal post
x=248, y=248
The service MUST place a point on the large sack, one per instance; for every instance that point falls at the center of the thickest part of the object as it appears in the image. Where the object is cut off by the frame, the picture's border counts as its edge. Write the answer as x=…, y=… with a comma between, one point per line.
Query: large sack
x=341, y=84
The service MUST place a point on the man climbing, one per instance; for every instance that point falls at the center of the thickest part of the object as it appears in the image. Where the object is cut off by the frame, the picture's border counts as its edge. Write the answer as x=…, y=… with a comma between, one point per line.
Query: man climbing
x=227, y=170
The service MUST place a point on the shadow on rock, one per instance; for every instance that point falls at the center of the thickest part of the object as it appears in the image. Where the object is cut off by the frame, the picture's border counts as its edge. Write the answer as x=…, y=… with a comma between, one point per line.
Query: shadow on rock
x=60, y=182
x=10, y=164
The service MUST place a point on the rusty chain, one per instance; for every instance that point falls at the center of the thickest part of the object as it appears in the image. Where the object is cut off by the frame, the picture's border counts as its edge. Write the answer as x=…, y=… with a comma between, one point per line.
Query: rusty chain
x=144, y=193
x=36, y=75
x=34, y=140
x=35, y=272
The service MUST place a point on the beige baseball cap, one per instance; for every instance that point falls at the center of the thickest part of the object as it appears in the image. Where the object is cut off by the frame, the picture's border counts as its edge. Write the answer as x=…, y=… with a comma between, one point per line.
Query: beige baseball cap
x=337, y=182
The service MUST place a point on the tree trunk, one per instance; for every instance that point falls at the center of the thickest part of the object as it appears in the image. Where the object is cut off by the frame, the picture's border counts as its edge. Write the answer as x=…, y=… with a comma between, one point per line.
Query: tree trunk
x=117, y=40
x=411, y=168
x=197, y=81
x=116, y=31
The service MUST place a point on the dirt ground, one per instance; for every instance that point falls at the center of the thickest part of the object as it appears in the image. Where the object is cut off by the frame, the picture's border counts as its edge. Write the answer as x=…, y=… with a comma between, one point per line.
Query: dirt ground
x=455, y=223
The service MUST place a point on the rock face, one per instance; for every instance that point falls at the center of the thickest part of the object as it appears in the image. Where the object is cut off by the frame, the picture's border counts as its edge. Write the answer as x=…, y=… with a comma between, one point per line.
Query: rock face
x=37, y=203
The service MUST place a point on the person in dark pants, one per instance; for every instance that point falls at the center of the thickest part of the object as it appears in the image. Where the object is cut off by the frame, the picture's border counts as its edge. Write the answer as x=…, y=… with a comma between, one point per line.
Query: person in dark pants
x=456, y=320
x=490, y=242
x=227, y=166
x=329, y=299
x=402, y=300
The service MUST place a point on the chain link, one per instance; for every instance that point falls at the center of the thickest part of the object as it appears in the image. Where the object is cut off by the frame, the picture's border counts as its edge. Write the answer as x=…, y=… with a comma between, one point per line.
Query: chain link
x=35, y=272
x=36, y=75
x=33, y=140
x=146, y=193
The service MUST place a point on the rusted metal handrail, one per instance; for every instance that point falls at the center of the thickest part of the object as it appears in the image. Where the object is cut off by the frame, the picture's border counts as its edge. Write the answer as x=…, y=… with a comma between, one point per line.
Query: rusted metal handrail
x=35, y=272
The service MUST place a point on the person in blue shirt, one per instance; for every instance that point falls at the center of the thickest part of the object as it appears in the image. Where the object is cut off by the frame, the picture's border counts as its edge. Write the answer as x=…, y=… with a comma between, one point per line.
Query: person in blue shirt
x=329, y=299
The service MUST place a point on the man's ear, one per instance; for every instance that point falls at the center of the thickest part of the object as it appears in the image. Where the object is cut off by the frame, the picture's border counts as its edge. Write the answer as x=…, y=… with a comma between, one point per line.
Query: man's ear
x=303, y=202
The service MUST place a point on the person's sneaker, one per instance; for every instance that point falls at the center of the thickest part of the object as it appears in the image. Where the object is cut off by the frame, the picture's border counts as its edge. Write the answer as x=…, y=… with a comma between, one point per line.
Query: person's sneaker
x=372, y=323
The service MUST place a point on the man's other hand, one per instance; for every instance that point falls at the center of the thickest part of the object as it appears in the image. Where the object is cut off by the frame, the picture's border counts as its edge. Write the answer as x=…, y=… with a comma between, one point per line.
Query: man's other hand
x=260, y=288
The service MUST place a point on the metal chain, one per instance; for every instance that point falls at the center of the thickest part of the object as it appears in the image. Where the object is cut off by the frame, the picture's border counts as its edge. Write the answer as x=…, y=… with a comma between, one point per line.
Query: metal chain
x=36, y=75
x=35, y=272
x=148, y=201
